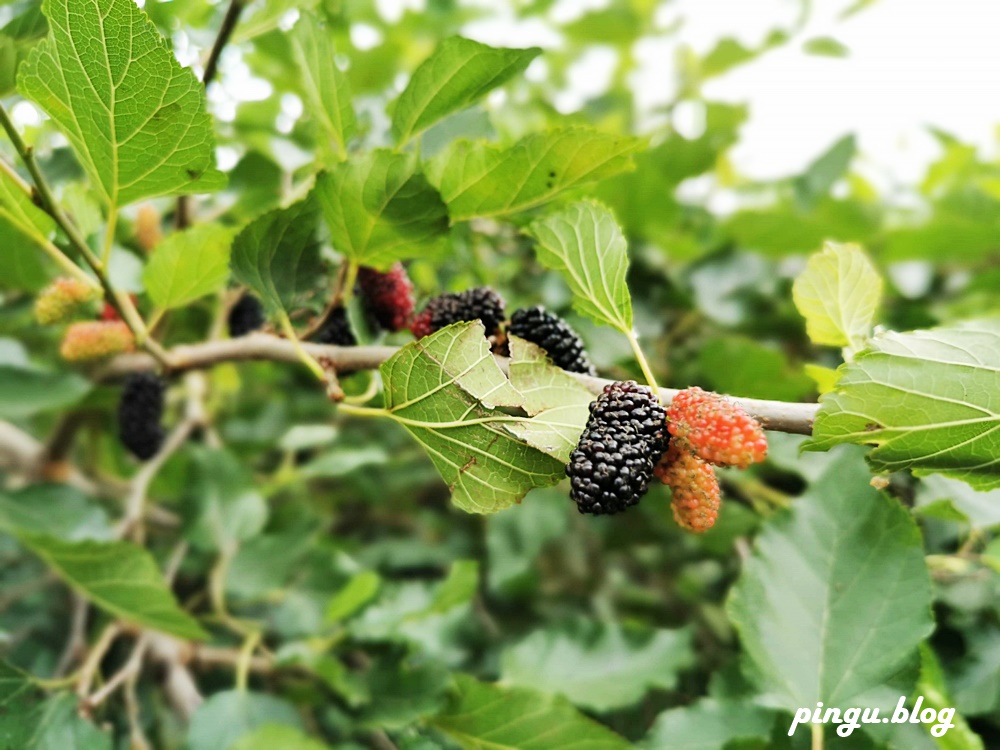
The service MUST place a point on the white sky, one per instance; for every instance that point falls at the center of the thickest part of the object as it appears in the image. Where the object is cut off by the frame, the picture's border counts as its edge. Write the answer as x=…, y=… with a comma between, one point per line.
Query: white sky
x=911, y=63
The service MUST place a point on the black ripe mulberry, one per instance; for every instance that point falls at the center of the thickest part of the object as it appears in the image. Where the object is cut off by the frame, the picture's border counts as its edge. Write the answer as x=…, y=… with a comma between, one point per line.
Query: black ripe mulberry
x=563, y=345
x=388, y=297
x=481, y=303
x=139, y=413
x=336, y=329
x=245, y=316
x=612, y=465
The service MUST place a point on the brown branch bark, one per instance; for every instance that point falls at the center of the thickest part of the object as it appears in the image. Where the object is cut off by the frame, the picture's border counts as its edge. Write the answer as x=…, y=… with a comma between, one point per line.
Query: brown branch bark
x=779, y=416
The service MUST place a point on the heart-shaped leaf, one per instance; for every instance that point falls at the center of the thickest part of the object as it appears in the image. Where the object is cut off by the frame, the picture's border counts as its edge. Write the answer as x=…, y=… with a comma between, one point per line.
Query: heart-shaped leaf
x=135, y=117
x=928, y=401
x=446, y=389
x=481, y=179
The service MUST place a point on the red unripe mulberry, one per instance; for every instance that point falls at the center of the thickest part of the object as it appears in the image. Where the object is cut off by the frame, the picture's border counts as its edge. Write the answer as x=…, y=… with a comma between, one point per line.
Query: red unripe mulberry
x=718, y=430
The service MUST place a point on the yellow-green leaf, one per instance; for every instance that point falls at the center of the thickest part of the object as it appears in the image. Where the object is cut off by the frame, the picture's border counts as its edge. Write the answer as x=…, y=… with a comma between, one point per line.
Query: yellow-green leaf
x=324, y=84
x=457, y=74
x=188, y=265
x=135, y=118
x=446, y=389
x=584, y=243
x=120, y=578
x=838, y=295
x=481, y=179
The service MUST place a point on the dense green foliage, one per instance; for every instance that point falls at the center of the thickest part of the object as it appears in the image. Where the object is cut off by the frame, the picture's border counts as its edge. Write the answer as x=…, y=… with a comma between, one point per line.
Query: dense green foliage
x=402, y=568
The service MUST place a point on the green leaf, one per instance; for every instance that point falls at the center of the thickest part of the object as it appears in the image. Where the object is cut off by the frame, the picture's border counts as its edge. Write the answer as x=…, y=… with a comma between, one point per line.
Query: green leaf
x=355, y=594
x=17, y=39
x=135, y=118
x=850, y=620
x=559, y=406
x=959, y=239
x=838, y=294
x=29, y=721
x=444, y=389
x=345, y=459
x=26, y=390
x=708, y=724
x=230, y=715
x=764, y=371
x=379, y=209
x=23, y=227
x=980, y=509
x=19, y=700
x=118, y=577
x=934, y=689
x=928, y=401
x=598, y=668
x=227, y=508
x=277, y=254
x=407, y=612
x=189, y=264
x=730, y=53
x=482, y=179
x=481, y=716
x=825, y=378
x=516, y=536
x=585, y=244
x=456, y=75
x=975, y=679
x=785, y=230
x=274, y=736
x=54, y=509
x=820, y=176
x=458, y=588
x=59, y=726
x=324, y=85
x=403, y=692
x=825, y=46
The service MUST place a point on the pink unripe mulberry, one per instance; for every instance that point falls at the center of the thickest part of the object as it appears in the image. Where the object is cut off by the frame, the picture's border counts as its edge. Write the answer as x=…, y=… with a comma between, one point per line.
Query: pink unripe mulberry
x=94, y=339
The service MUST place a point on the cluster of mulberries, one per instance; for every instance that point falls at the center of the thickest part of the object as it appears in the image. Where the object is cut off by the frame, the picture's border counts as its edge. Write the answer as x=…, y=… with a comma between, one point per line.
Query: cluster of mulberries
x=336, y=329
x=563, y=345
x=387, y=297
x=625, y=436
x=246, y=316
x=706, y=429
x=139, y=413
x=481, y=303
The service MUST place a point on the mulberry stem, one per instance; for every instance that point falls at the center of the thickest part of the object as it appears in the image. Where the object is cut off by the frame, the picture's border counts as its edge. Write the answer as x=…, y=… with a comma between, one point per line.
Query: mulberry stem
x=643, y=363
x=307, y=359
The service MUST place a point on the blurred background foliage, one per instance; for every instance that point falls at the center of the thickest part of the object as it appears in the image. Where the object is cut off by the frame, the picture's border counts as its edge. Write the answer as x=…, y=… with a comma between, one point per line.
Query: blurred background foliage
x=338, y=536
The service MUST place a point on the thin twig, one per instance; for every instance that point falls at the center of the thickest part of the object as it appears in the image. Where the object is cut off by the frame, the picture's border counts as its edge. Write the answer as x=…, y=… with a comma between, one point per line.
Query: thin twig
x=60, y=442
x=137, y=738
x=76, y=644
x=222, y=39
x=182, y=213
x=94, y=657
x=178, y=683
x=128, y=670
